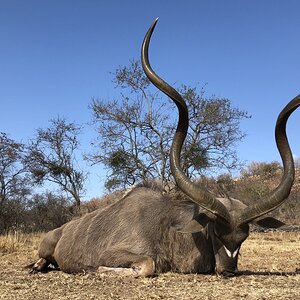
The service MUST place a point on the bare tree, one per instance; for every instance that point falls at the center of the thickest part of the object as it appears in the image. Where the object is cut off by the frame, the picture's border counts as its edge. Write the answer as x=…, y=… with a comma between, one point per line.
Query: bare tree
x=265, y=170
x=51, y=157
x=13, y=181
x=255, y=181
x=135, y=131
x=47, y=211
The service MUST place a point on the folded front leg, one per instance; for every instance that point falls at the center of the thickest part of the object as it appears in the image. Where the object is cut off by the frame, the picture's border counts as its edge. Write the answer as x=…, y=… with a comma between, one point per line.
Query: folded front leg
x=127, y=264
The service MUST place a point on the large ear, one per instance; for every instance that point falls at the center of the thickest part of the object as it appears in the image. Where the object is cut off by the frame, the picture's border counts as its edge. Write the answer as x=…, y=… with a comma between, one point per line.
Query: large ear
x=196, y=224
x=269, y=222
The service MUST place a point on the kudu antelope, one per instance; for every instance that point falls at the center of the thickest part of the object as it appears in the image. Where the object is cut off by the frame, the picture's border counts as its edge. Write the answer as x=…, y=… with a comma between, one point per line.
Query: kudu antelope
x=147, y=232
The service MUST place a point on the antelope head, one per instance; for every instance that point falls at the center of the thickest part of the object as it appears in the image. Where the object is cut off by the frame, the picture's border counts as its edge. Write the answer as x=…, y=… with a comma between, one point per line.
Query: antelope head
x=227, y=220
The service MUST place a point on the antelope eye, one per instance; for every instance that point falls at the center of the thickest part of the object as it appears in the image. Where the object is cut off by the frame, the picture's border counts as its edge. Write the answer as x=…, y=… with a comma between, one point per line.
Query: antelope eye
x=219, y=240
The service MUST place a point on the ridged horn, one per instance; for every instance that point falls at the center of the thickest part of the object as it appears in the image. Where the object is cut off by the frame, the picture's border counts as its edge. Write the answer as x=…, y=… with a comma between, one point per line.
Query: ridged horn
x=197, y=194
x=276, y=197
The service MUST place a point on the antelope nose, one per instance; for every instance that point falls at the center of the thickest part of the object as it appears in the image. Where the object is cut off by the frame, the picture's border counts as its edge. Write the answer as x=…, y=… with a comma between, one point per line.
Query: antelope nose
x=228, y=273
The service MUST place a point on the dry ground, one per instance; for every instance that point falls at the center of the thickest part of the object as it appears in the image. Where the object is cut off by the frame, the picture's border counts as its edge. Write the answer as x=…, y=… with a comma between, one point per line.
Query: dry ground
x=268, y=263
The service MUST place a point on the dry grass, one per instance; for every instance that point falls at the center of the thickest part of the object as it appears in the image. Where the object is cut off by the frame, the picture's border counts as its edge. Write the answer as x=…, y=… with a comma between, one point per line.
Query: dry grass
x=15, y=241
x=268, y=266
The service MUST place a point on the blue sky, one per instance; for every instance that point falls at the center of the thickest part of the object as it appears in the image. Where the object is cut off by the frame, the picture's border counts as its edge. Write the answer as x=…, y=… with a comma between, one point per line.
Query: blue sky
x=56, y=55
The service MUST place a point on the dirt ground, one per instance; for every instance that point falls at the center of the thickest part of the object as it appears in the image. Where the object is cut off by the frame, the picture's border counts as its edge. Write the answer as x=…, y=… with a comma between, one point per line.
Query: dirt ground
x=269, y=267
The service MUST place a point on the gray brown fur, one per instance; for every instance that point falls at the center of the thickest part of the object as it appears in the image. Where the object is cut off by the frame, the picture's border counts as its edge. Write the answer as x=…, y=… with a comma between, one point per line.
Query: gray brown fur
x=145, y=223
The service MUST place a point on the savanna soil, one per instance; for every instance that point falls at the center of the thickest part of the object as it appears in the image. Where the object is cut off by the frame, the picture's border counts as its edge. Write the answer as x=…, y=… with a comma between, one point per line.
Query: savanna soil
x=269, y=264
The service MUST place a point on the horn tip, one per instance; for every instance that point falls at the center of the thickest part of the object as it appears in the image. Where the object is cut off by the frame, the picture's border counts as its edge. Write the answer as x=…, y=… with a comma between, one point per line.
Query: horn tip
x=149, y=33
x=154, y=23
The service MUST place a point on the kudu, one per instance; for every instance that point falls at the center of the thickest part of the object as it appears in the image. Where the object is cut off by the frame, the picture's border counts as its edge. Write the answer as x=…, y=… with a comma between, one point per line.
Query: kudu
x=147, y=232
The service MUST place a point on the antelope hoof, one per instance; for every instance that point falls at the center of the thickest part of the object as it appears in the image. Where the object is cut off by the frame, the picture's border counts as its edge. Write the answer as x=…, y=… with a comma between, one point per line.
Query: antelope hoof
x=40, y=266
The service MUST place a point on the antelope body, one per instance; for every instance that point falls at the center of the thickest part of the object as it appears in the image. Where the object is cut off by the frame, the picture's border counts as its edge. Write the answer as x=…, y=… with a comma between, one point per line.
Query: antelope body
x=141, y=231
x=145, y=232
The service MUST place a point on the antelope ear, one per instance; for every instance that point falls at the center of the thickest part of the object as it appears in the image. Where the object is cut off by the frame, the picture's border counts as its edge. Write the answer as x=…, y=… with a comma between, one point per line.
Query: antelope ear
x=269, y=222
x=196, y=224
